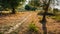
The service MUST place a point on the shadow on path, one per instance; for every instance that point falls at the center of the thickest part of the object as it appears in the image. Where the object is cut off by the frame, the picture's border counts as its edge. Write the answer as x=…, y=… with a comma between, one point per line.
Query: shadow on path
x=44, y=27
x=30, y=32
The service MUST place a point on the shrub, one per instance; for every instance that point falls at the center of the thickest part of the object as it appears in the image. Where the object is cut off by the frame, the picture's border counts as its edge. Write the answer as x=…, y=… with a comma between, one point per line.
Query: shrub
x=27, y=7
x=33, y=8
x=32, y=27
x=1, y=33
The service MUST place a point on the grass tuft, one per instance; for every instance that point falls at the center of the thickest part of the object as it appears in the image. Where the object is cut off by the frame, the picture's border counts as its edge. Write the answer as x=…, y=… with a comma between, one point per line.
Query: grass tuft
x=32, y=27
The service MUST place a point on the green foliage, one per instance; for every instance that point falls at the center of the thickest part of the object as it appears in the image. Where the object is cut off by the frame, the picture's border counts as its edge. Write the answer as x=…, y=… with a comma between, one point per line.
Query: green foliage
x=39, y=17
x=27, y=7
x=1, y=33
x=35, y=3
x=10, y=3
x=32, y=27
x=57, y=18
x=33, y=8
x=55, y=11
x=13, y=3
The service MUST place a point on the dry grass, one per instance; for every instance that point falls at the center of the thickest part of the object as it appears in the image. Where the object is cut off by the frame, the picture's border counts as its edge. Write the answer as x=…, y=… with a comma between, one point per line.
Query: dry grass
x=53, y=27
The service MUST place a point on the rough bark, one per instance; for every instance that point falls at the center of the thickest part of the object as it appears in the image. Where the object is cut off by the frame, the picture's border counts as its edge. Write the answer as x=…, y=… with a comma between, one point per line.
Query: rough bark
x=45, y=11
x=13, y=11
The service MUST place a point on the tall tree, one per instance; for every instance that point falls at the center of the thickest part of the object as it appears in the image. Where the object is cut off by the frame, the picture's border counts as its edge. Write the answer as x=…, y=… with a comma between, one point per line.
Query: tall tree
x=11, y=4
x=46, y=4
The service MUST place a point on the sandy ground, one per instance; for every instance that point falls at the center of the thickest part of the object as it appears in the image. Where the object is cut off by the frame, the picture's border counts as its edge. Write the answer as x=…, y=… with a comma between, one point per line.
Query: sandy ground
x=53, y=27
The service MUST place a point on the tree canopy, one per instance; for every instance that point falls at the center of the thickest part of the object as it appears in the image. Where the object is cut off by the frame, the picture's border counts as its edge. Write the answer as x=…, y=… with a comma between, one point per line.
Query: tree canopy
x=10, y=4
x=35, y=3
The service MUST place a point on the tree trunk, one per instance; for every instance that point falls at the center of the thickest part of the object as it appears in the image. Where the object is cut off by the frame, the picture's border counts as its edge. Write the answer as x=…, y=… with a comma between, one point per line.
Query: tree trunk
x=46, y=11
x=13, y=11
x=44, y=16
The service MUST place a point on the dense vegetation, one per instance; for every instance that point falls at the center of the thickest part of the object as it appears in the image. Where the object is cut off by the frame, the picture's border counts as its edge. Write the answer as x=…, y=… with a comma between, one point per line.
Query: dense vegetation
x=10, y=4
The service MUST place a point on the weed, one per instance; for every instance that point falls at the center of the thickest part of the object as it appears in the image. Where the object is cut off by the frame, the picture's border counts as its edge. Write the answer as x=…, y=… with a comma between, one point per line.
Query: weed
x=32, y=27
x=1, y=33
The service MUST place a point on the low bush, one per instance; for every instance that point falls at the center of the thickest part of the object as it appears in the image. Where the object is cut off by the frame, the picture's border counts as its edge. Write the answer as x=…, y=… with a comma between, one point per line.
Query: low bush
x=1, y=33
x=27, y=7
x=32, y=27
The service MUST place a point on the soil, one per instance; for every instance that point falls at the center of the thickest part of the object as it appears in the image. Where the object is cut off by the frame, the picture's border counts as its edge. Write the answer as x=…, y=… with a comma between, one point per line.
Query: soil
x=53, y=27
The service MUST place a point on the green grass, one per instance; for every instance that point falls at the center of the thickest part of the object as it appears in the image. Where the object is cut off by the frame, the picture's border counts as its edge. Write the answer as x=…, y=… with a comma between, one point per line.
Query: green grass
x=32, y=27
x=57, y=17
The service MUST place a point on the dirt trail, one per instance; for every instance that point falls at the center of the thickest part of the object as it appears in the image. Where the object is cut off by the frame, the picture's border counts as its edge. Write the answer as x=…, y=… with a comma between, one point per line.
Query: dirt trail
x=53, y=27
x=18, y=24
